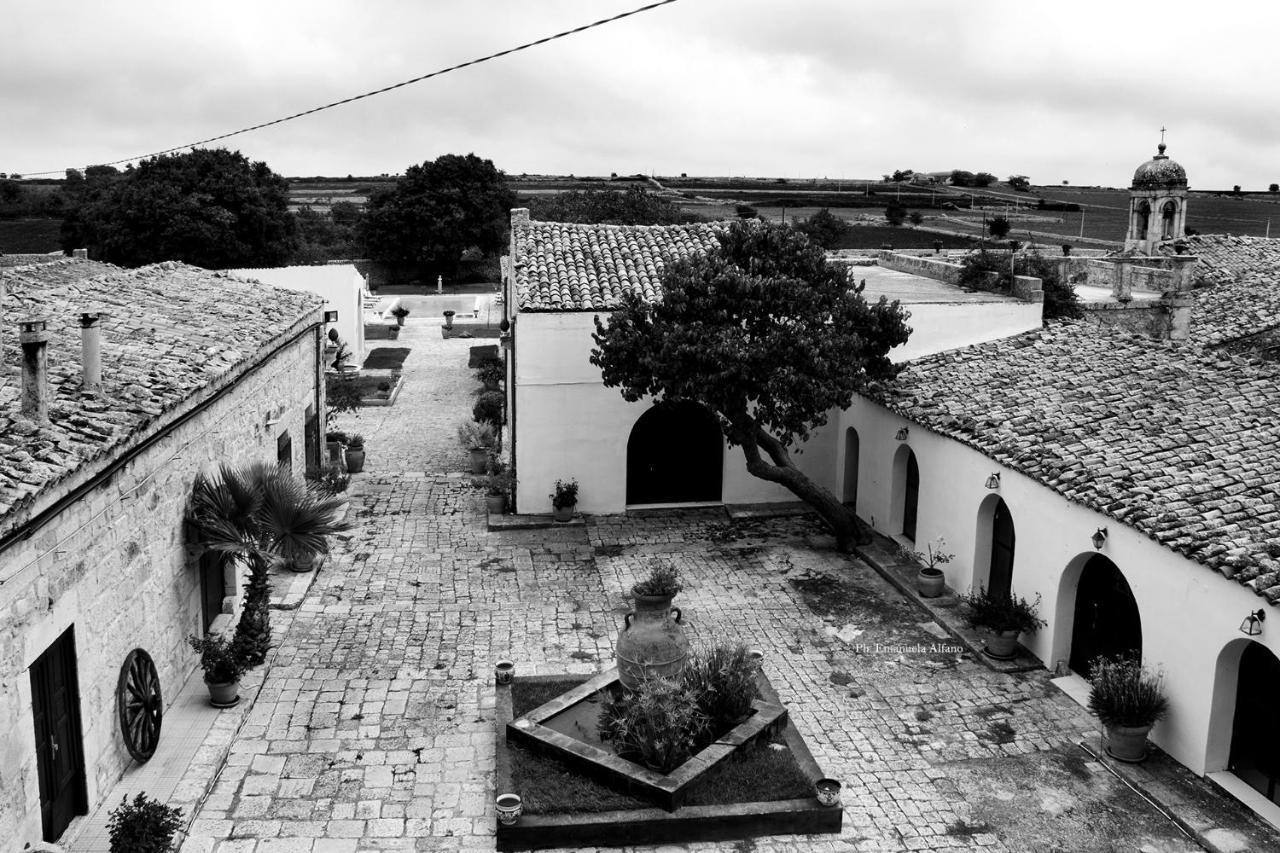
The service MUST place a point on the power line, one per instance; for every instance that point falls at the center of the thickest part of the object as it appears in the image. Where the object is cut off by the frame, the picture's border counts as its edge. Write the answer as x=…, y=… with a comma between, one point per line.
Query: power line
x=354, y=98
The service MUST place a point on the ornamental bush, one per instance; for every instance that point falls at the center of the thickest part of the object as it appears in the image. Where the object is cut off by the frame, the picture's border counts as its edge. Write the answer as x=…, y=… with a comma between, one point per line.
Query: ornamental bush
x=143, y=826
x=488, y=408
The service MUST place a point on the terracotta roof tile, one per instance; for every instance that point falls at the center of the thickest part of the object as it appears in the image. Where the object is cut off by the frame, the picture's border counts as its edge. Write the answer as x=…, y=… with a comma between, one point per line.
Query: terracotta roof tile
x=168, y=331
x=570, y=267
x=1240, y=287
x=1174, y=440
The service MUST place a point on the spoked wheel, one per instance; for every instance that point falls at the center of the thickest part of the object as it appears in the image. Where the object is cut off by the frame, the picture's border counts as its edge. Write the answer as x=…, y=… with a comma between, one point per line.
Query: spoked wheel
x=140, y=704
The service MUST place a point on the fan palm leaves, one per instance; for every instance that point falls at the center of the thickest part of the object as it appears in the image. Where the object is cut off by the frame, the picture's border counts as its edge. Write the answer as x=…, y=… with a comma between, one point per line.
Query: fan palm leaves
x=260, y=514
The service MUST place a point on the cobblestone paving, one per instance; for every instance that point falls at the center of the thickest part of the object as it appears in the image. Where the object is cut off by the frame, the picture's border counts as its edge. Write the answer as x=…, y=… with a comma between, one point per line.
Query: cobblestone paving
x=375, y=728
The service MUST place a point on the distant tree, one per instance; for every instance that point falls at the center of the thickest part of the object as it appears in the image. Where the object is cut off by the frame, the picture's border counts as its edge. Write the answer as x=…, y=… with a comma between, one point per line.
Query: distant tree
x=1020, y=183
x=633, y=206
x=1274, y=188
x=824, y=228
x=895, y=213
x=436, y=211
x=1236, y=189
x=322, y=238
x=999, y=227
x=961, y=178
x=746, y=211
x=984, y=179
x=344, y=213
x=902, y=175
x=767, y=335
x=210, y=207
x=915, y=217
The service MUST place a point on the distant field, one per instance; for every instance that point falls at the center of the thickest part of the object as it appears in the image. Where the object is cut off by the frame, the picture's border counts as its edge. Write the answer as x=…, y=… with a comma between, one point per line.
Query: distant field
x=22, y=236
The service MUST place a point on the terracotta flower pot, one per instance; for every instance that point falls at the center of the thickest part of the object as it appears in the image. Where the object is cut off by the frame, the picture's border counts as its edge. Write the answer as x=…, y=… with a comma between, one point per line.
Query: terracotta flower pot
x=355, y=461
x=930, y=583
x=1002, y=645
x=224, y=695
x=479, y=460
x=1127, y=743
x=496, y=504
x=563, y=513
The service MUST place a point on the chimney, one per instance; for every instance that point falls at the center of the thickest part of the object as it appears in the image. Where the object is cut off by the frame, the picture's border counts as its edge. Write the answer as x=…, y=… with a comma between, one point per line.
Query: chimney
x=90, y=350
x=34, y=338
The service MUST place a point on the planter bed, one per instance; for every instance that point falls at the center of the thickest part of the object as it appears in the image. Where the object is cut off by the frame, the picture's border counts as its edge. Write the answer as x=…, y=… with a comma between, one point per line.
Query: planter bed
x=765, y=788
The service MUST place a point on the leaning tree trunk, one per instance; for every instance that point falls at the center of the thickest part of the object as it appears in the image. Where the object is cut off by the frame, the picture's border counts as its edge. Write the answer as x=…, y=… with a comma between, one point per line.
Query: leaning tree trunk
x=848, y=528
x=252, y=639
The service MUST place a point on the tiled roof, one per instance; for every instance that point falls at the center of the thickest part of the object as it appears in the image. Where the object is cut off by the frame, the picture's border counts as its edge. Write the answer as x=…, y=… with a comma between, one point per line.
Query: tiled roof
x=1239, y=293
x=1173, y=440
x=569, y=267
x=1239, y=256
x=168, y=331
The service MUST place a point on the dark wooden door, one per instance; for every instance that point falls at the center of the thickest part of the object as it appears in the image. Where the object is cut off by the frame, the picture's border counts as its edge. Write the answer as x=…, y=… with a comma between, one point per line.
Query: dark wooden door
x=1106, y=618
x=311, y=439
x=1255, y=752
x=213, y=587
x=55, y=699
x=284, y=451
x=912, y=500
x=1003, y=537
x=675, y=455
x=852, y=448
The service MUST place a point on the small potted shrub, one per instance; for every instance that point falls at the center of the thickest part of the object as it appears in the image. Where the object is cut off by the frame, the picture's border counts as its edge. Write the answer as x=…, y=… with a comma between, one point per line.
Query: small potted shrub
x=144, y=826
x=930, y=581
x=497, y=487
x=222, y=669
x=489, y=407
x=399, y=312
x=448, y=318
x=355, y=453
x=1127, y=699
x=1005, y=617
x=477, y=438
x=334, y=442
x=491, y=375
x=329, y=479
x=564, y=499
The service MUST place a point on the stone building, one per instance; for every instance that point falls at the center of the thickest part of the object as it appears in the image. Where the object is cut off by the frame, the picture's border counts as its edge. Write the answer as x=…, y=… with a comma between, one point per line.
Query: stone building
x=119, y=386
x=1157, y=204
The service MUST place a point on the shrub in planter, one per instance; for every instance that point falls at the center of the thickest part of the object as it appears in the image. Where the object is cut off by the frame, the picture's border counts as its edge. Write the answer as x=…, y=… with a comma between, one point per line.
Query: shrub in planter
x=663, y=580
x=491, y=375
x=723, y=680
x=1005, y=617
x=497, y=487
x=355, y=453
x=400, y=312
x=222, y=667
x=329, y=479
x=659, y=725
x=564, y=499
x=448, y=319
x=1128, y=699
x=488, y=408
x=477, y=438
x=144, y=826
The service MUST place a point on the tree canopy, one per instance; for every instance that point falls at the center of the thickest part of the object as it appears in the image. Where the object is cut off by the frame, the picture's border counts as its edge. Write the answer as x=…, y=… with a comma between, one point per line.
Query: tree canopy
x=210, y=207
x=437, y=211
x=632, y=206
x=824, y=228
x=768, y=336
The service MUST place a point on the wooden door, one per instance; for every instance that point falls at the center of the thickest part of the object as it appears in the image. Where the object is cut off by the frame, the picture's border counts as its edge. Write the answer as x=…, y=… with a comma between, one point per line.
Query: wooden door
x=213, y=586
x=55, y=699
x=1255, y=754
x=1000, y=576
x=1107, y=622
x=852, y=448
x=311, y=439
x=912, y=499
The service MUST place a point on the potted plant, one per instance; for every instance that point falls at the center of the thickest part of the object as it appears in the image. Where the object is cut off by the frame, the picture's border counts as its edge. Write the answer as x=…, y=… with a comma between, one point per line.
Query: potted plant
x=1128, y=699
x=564, y=499
x=355, y=453
x=334, y=442
x=491, y=374
x=930, y=581
x=399, y=312
x=448, y=318
x=1005, y=617
x=477, y=438
x=498, y=486
x=222, y=668
x=145, y=825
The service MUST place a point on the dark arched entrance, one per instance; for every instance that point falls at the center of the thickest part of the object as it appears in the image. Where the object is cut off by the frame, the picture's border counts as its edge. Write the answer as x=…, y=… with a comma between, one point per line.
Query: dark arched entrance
x=1255, y=751
x=1106, y=618
x=1003, y=538
x=852, y=447
x=675, y=455
x=911, y=497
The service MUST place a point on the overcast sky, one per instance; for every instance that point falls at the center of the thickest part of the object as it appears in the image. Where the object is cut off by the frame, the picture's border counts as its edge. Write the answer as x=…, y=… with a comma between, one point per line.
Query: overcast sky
x=781, y=88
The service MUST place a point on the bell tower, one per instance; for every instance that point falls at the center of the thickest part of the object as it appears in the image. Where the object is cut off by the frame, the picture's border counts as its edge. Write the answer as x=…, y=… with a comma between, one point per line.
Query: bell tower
x=1157, y=203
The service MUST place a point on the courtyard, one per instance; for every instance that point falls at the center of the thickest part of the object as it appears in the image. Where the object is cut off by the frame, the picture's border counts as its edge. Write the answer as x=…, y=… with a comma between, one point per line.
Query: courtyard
x=374, y=728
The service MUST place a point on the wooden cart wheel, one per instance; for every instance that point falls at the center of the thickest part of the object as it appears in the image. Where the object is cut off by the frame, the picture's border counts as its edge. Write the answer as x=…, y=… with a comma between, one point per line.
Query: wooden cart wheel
x=140, y=704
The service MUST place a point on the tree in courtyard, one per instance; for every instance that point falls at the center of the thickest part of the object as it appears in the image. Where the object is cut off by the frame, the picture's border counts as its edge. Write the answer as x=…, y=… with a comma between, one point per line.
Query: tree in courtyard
x=766, y=334
x=210, y=207
x=437, y=211
x=999, y=227
x=260, y=514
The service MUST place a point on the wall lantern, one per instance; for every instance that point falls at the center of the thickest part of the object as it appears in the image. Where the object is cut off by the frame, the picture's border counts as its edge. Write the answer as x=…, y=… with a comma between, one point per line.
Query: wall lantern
x=901, y=435
x=1099, y=538
x=331, y=316
x=1252, y=624
x=273, y=417
x=993, y=482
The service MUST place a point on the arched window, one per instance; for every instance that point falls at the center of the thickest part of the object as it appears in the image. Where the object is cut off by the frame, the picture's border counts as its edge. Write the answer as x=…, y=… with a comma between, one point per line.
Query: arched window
x=1167, y=214
x=1141, y=219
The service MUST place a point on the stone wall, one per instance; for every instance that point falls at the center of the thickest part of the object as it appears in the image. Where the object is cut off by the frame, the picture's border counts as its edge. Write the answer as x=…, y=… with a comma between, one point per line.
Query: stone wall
x=921, y=266
x=115, y=566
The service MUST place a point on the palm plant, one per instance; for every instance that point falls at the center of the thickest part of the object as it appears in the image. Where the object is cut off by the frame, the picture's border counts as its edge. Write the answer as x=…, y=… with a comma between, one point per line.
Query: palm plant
x=261, y=514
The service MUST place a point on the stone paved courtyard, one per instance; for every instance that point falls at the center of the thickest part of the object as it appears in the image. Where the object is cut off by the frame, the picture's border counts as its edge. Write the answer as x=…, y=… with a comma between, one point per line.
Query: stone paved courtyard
x=374, y=730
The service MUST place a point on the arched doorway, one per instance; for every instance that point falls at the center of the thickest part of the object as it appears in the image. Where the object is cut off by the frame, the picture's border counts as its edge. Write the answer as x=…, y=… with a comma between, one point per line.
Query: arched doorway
x=994, y=541
x=675, y=454
x=1255, y=751
x=1106, y=620
x=851, y=449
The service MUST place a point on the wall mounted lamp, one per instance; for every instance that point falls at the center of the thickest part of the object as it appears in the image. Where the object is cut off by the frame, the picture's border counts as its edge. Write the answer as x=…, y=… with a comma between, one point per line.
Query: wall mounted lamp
x=1252, y=624
x=1099, y=538
x=993, y=482
x=331, y=316
x=273, y=417
x=901, y=435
